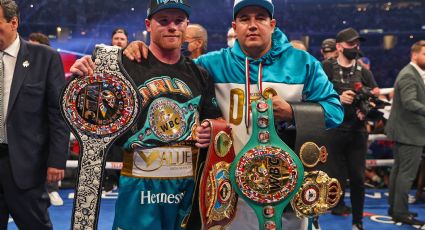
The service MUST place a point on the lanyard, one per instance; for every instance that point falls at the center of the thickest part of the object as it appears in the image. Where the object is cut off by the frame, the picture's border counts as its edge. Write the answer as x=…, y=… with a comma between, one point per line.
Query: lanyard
x=248, y=91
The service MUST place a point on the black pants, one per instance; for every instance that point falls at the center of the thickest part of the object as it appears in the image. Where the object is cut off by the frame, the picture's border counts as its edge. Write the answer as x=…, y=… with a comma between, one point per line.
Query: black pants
x=347, y=156
x=28, y=208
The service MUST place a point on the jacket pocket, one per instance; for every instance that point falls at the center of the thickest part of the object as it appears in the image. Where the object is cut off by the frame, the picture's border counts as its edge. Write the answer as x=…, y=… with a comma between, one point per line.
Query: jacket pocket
x=36, y=89
x=31, y=98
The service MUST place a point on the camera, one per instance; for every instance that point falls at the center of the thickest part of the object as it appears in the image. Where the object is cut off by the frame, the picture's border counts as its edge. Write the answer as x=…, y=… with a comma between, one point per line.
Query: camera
x=367, y=103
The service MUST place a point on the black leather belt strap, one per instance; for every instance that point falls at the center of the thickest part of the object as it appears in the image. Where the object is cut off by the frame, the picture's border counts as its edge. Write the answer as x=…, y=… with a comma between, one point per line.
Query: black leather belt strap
x=310, y=124
x=4, y=150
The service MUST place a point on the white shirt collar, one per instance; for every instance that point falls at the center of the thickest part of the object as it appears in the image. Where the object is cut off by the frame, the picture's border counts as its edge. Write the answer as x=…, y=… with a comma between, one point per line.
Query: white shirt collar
x=421, y=71
x=13, y=49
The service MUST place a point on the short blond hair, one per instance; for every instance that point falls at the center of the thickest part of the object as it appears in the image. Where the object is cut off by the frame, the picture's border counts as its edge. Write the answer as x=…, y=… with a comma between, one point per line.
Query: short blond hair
x=416, y=48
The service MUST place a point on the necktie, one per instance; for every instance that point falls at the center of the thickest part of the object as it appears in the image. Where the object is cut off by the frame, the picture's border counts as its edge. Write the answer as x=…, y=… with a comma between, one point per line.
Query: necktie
x=2, y=117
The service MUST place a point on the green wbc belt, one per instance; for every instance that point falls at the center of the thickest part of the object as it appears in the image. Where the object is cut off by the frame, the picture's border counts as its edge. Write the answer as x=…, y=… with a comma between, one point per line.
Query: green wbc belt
x=266, y=173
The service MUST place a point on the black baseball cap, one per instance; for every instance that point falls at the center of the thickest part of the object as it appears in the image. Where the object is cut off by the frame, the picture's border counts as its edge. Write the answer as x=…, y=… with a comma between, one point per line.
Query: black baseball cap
x=329, y=45
x=348, y=35
x=158, y=5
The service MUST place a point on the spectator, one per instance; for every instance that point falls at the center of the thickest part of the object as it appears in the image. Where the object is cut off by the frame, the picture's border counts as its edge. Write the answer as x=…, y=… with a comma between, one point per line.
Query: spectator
x=365, y=62
x=111, y=176
x=297, y=44
x=406, y=127
x=231, y=37
x=196, y=38
x=119, y=37
x=328, y=49
x=39, y=38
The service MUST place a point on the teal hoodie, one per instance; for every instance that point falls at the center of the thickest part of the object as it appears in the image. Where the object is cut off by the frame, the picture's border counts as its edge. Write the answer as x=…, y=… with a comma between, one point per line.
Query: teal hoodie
x=284, y=65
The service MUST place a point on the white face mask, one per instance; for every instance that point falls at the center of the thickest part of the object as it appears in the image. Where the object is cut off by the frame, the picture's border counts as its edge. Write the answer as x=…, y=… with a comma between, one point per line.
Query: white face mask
x=231, y=42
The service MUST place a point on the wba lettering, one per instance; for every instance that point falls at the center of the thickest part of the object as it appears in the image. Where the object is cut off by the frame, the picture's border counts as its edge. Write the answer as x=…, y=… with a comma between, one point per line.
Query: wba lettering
x=146, y=197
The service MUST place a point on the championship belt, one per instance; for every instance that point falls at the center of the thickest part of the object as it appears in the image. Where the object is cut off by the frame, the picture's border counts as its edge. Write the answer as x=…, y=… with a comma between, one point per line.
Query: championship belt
x=319, y=192
x=98, y=108
x=217, y=199
x=266, y=173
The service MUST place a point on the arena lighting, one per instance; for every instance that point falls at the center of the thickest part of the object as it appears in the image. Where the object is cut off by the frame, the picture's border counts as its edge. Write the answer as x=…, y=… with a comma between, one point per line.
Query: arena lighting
x=132, y=8
x=371, y=31
x=31, y=5
x=70, y=52
x=423, y=27
x=58, y=29
x=145, y=32
x=411, y=36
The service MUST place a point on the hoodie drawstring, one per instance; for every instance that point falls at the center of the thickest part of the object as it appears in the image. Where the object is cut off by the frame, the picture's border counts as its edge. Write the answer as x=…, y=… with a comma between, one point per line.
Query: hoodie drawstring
x=248, y=91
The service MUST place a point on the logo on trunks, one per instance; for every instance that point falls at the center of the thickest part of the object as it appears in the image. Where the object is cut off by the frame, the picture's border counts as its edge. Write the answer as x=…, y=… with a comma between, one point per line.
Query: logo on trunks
x=146, y=197
x=155, y=159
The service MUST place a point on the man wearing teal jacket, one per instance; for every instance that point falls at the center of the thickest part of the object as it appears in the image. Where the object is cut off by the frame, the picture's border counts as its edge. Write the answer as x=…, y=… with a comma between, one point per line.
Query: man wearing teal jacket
x=262, y=60
x=295, y=75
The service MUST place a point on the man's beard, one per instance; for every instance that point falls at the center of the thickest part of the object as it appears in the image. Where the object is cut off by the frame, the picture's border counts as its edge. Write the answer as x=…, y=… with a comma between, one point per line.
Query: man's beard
x=421, y=65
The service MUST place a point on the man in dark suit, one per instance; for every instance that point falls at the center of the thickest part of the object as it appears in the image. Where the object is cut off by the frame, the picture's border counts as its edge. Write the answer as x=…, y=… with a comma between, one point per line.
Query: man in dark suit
x=33, y=136
x=406, y=126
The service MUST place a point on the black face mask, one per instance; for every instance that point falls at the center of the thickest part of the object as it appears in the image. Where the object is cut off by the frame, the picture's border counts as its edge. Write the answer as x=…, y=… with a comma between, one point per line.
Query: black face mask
x=185, y=49
x=351, y=53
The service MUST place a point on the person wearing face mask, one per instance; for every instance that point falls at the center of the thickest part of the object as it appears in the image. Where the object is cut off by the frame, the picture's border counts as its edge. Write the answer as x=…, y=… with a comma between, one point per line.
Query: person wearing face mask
x=348, y=143
x=196, y=40
x=231, y=37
